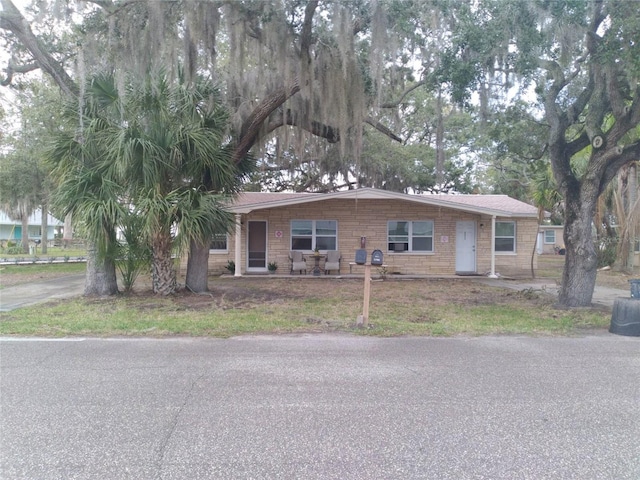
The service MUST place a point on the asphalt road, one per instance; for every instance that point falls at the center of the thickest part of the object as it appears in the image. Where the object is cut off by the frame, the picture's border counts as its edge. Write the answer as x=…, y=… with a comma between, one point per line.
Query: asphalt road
x=321, y=407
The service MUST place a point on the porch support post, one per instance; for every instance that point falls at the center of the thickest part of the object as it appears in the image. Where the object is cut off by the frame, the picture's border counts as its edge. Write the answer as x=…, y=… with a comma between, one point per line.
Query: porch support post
x=238, y=260
x=493, y=248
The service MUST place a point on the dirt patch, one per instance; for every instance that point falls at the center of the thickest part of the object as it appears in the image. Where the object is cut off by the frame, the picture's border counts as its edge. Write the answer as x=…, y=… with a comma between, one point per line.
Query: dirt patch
x=246, y=293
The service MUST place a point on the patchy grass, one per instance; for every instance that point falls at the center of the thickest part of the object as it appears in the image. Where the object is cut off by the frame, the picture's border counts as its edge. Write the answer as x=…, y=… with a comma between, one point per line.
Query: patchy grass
x=256, y=305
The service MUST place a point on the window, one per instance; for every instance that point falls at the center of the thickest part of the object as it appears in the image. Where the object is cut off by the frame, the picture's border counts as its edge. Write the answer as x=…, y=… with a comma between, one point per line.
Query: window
x=403, y=236
x=550, y=236
x=636, y=245
x=505, y=237
x=219, y=243
x=310, y=234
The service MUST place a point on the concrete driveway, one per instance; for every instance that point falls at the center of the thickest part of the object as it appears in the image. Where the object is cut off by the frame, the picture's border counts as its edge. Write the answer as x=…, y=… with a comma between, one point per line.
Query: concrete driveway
x=321, y=407
x=41, y=291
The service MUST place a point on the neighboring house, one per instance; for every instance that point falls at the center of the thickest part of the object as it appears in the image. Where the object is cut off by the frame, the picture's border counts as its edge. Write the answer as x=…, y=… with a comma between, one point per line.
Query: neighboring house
x=418, y=234
x=550, y=239
x=12, y=229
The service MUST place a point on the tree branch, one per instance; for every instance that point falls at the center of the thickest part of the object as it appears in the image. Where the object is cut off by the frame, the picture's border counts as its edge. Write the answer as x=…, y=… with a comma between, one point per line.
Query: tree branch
x=12, y=20
x=250, y=131
x=318, y=129
x=407, y=91
x=578, y=144
x=383, y=129
x=630, y=154
x=11, y=69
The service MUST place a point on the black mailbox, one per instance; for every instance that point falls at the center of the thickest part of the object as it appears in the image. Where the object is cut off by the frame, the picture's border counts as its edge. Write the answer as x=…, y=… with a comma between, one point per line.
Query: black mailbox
x=361, y=256
x=376, y=257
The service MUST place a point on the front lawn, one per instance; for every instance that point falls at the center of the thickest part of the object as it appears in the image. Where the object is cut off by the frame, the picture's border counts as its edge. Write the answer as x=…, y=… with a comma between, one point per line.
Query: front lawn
x=253, y=305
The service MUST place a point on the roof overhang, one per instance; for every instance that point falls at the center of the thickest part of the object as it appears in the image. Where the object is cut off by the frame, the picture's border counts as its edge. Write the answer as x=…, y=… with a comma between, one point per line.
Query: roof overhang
x=375, y=194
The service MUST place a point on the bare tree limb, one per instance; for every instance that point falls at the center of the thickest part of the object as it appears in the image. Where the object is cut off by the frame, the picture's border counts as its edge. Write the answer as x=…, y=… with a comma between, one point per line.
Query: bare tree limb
x=383, y=129
x=407, y=91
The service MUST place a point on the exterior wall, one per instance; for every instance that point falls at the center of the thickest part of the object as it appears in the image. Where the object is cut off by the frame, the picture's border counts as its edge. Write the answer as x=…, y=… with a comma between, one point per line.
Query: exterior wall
x=519, y=263
x=369, y=218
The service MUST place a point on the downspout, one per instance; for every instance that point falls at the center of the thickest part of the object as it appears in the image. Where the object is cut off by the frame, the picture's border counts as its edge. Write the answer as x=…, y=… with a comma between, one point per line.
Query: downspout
x=238, y=260
x=493, y=247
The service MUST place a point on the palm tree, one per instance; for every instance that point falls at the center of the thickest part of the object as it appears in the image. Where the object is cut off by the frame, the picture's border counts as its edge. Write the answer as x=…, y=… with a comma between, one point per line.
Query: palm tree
x=155, y=147
x=85, y=190
x=170, y=154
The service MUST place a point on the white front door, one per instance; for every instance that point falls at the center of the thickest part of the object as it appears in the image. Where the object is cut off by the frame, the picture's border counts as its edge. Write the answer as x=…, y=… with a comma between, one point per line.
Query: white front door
x=465, y=246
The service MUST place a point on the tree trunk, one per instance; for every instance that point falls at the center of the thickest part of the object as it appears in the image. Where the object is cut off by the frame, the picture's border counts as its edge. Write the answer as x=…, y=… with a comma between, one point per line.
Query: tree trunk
x=44, y=227
x=163, y=271
x=580, y=267
x=67, y=232
x=439, y=143
x=25, y=233
x=632, y=197
x=198, y=268
x=101, y=274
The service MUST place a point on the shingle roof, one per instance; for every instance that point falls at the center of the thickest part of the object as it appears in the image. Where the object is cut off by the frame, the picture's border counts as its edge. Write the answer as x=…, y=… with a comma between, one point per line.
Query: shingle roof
x=493, y=202
x=499, y=205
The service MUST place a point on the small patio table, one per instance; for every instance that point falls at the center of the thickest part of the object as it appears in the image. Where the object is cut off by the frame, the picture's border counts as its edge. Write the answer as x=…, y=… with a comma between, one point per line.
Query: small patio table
x=317, y=271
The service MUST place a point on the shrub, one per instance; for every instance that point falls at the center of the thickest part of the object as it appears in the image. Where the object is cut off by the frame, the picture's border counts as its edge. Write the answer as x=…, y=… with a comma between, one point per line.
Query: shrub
x=231, y=266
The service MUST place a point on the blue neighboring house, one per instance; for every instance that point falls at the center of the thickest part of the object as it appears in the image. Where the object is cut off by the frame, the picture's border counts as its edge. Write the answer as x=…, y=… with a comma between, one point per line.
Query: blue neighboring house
x=12, y=230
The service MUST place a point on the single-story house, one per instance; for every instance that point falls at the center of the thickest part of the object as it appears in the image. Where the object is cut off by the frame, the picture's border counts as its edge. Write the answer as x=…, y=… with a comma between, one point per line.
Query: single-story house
x=12, y=229
x=550, y=239
x=418, y=234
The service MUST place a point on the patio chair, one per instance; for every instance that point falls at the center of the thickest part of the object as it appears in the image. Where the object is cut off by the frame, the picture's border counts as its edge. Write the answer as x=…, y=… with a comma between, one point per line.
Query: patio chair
x=298, y=262
x=332, y=261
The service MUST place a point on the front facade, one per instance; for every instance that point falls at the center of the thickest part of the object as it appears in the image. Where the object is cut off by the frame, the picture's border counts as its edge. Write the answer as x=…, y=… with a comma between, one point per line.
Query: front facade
x=550, y=239
x=418, y=234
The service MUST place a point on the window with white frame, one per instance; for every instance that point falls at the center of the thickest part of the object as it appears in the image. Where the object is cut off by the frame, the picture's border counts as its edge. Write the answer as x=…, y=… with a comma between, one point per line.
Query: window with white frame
x=636, y=245
x=311, y=234
x=218, y=243
x=505, y=237
x=406, y=236
x=550, y=236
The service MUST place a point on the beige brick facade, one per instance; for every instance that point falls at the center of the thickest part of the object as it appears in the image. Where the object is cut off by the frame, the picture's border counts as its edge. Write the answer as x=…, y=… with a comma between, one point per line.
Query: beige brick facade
x=368, y=218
